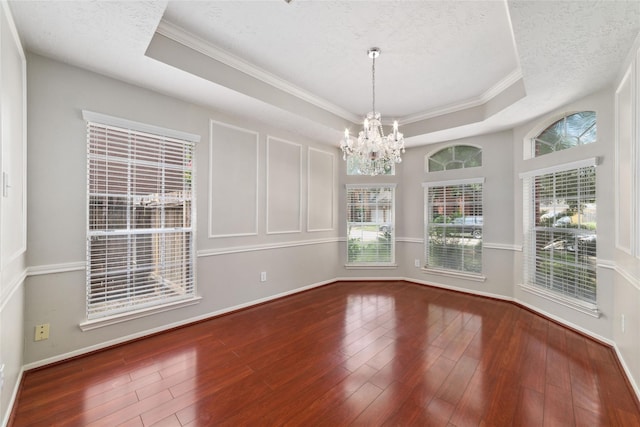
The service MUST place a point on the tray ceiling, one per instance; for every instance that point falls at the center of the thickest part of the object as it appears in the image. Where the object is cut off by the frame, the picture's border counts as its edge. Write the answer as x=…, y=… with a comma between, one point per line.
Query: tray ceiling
x=448, y=69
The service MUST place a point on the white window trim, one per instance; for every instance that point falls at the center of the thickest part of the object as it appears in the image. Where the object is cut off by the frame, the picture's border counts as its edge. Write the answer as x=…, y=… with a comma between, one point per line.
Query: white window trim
x=101, y=322
x=572, y=303
x=390, y=185
x=592, y=161
x=372, y=266
x=453, y=273
x=451, y=182
x=90, y=116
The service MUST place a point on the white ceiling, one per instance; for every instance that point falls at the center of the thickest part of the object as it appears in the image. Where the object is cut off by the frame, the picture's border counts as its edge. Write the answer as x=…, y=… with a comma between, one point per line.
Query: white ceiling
x=448, y=69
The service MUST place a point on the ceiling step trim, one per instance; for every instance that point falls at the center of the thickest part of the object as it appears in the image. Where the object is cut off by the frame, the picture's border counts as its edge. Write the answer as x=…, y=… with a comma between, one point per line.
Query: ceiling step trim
x=185, y=38
x=488, y=95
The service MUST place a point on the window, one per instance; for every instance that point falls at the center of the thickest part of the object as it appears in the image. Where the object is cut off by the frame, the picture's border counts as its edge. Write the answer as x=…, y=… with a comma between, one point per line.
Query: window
x=570, y=131
x=355, y=166
x=370, y=224
x=455, y=157
x=560, y=230
x=453, y=216
x=140, y=245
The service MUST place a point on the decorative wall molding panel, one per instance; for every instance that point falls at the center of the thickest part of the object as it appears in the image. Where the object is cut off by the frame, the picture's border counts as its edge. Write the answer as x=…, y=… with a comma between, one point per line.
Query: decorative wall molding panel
x=284, y=186
x=233, y=181
x=321, y=190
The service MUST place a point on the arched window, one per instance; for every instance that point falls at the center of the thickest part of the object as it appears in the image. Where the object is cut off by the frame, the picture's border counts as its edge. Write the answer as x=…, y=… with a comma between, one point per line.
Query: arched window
x=455, y=157
x=570, y=131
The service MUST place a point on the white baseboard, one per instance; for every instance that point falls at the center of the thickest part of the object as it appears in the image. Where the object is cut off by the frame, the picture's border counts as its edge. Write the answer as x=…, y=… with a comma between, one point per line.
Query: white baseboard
x=368, y=279
x=121, y=340
x=12, y=399
x=627, y=371
x=454, y=288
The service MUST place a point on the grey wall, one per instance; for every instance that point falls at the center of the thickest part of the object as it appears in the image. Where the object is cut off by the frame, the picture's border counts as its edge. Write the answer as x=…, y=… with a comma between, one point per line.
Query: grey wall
x=236, y=239
x=13, y=217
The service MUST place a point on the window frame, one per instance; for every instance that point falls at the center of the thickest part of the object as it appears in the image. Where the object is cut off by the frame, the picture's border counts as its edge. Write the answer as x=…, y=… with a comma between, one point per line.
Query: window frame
x=392, y=231
x=428, y=158
x=529, y=149
x=530, y=228
x=98, y=121
x=471, y=275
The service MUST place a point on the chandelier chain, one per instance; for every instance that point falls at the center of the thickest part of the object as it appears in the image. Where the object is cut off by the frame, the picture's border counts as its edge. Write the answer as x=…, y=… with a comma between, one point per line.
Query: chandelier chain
x=373, y=85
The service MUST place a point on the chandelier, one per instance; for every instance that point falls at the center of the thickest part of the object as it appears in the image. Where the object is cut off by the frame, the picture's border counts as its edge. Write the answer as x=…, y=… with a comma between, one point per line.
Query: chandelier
x=373, y=152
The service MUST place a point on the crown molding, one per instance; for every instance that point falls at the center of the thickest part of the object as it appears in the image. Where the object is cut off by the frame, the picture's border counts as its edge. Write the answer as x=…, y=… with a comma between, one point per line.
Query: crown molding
x=487, y=96
x=189, y=40
x=182, y=36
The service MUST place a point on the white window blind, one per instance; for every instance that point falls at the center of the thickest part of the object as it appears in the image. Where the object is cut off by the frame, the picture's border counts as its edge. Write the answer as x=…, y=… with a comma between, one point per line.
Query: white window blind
x=560, y=232
x=370, y=224
x=454, y=225
x=140, y=216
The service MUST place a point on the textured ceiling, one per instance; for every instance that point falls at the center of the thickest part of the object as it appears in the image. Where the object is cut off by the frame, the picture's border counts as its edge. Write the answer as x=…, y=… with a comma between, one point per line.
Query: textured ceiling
x=448, y=69
x=433, y=53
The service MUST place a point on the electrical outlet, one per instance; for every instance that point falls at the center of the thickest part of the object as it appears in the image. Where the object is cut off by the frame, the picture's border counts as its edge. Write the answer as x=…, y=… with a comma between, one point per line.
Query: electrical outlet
x=42, y=332
x=622, y=322
x=263, y=276
x=417, y=263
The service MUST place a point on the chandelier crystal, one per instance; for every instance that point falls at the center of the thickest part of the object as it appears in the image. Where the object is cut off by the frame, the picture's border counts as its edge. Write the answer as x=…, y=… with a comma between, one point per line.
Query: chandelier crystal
x=373, y=152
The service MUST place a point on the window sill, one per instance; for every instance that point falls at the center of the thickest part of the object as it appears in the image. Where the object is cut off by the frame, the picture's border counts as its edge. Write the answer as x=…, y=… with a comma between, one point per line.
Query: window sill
x=457, y=274
x=89, y=325
x=371, y=266
x=572, y=303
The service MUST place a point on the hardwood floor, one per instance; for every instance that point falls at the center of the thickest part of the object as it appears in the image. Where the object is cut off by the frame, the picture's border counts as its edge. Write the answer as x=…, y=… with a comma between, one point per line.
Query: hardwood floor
x=363, y=353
